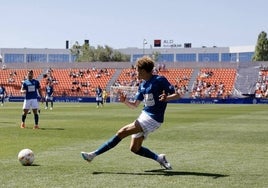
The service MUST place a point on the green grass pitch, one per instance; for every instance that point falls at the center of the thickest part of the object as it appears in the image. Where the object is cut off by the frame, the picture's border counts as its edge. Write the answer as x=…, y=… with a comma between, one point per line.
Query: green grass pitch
x=207, y=145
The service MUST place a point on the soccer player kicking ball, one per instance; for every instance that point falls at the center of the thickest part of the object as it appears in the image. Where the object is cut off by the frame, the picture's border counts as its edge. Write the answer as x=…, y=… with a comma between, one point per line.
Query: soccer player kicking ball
x=155, y=91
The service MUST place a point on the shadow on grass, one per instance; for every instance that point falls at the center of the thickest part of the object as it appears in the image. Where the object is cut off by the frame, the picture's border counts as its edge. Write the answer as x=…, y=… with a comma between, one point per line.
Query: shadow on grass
x=53, y=129
x=32, y=165
x=163, y=172
x=46, y=129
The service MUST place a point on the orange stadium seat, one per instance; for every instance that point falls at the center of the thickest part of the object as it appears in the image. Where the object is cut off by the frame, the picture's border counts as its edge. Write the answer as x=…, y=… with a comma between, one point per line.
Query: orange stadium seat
x=89, y=81
x=219, y=75
x=12, y=79
x=177, y=77
x=65, y=82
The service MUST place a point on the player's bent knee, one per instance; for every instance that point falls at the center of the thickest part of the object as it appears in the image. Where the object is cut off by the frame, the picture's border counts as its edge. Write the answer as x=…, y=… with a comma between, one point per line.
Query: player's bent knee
x=134, y=149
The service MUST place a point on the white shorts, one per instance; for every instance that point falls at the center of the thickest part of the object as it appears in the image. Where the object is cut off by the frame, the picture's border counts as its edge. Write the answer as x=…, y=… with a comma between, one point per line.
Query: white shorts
x=147, y=124
x=49, y=98
x=98, y=98
x=1, y=96
x=30, y=104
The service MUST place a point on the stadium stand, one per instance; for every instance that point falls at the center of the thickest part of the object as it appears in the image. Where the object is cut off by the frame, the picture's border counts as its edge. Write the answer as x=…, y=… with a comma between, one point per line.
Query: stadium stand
x=78, y=82
x=214, y=83
x=179, y=73
x=178, y=77
x=12, y=79
x=261, y=86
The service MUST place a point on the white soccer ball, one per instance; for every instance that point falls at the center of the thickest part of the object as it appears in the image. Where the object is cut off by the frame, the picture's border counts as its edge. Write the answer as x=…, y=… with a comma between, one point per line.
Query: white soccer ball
x=26, y=157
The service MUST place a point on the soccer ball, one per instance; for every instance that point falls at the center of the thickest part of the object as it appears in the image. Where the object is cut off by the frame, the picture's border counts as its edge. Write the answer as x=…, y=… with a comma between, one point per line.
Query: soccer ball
x=26, y=157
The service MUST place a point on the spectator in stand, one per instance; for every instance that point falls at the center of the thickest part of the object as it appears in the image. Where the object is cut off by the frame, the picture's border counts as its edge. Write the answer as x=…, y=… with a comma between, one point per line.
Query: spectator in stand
x=98, y=75
x=73, y=89
x=4, y=67
x=78, y=88
x=258, y=93
x=11, y=80
x=266, y=94
x=229, y=94
x=262, y=84
x=106, y=72
x=12, y=76
x=117, y=83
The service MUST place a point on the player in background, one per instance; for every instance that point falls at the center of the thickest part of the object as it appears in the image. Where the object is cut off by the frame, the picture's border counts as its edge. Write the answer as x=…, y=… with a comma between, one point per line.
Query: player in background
x=31, y=88
x=49, y=95
x=104, y=96
x=3, y=94
x=155, y=91
x=99, y=96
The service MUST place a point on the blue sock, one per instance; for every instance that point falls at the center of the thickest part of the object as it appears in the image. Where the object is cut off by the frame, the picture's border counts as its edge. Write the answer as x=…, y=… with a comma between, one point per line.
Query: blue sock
x=36, y=119
x=108, y=145
x=145, y=152
x=23, y=117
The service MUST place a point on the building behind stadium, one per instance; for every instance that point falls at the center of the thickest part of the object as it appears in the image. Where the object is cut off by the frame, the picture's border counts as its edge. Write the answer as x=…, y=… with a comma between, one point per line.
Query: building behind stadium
x=167, y=52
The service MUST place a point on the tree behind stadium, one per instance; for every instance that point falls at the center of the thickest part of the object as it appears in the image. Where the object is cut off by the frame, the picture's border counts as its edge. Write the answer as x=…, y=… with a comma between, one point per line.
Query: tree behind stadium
x=261, y=49
x=87, y=53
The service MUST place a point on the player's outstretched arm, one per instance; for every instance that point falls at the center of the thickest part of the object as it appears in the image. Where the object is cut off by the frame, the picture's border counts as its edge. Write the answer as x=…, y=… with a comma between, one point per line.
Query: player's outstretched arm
x=130, y=104
x=164, y=97
x=22, y=90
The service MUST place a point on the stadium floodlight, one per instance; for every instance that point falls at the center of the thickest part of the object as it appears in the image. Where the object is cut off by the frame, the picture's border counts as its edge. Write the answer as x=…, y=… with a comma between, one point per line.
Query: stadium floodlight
x=144, y=43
